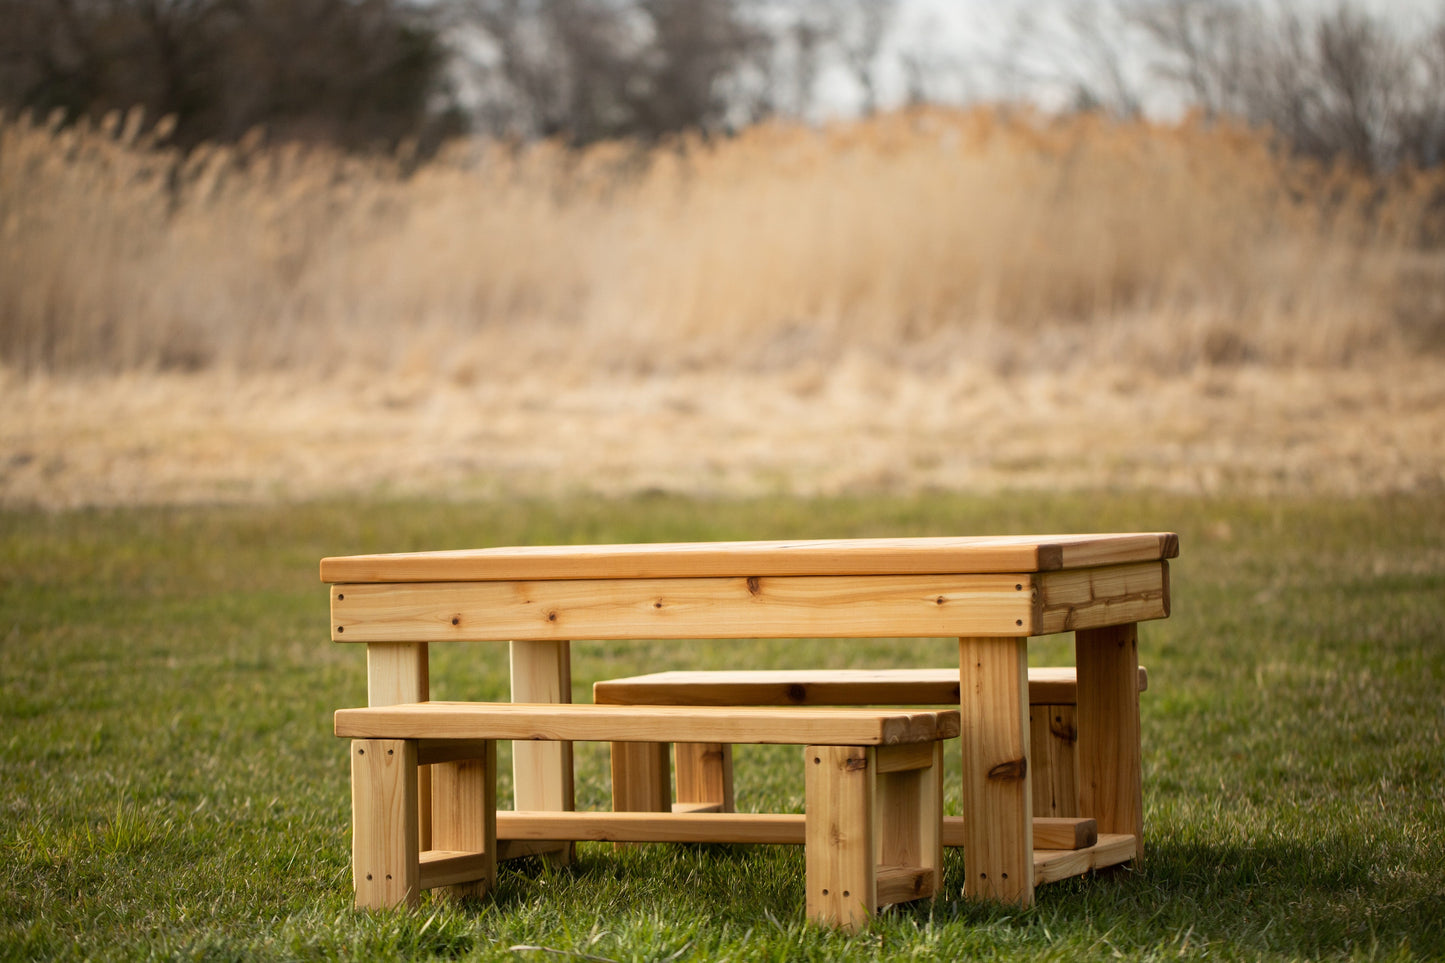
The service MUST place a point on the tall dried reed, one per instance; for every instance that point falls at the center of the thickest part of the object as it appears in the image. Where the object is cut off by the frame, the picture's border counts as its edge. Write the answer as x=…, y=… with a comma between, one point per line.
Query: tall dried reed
x=1001, y=238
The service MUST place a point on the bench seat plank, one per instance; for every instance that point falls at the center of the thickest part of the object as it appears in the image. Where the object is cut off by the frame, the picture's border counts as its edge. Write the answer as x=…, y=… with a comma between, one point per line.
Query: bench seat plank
x=1052, y=685
x=584, y=723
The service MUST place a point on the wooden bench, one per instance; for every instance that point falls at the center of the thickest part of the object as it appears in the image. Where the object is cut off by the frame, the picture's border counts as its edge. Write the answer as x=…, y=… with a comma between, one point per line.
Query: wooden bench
x=704, y=771
x=992, y=593
x=873, y=794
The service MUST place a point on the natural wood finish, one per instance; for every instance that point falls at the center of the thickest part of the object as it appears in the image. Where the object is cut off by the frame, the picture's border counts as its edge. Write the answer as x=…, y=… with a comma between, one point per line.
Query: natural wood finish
x=704, y=772
x=1052, y=692
x=1056, y=832
x=864, y=556
x=1055, y=779
x=1050, y=866
x=991, y=593
x=464, y=814
x=919, y=755
x=643, y=827
x=698, y=807
x=1102, y=596
x=998, y=843
x=1110, y=787
x=640, y=777
x=383, y=828
x=584, y=723
x=784, y=829
x=518, y=848
x=1050, y=832
x=841, y=848
x=900, y=884
x=541, y=672
x=711, y=608
x=441, y=867
x=429, y=752
x=399, y=672
x=909, y=814
x=1053, y=685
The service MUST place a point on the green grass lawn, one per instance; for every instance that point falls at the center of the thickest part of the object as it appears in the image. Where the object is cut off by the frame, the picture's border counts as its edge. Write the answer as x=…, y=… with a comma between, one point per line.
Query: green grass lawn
x=169, y=786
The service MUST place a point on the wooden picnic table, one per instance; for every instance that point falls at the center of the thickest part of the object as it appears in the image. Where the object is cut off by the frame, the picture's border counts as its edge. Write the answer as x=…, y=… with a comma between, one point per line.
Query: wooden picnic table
x=993, y=593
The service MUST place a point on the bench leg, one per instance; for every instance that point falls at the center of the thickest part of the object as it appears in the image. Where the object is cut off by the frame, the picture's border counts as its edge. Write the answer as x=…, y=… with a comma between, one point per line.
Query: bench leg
x=384, y=852
x=1110, y=784
x=464, y=818
x=910, y=822
x=840, y=843
x=705, y=776
x=1053, y=733
x=399, y=672
x=997, y=800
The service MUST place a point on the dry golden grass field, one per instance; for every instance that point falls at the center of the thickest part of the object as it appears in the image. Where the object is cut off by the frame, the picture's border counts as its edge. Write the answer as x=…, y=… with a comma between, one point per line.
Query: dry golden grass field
x=931, y=299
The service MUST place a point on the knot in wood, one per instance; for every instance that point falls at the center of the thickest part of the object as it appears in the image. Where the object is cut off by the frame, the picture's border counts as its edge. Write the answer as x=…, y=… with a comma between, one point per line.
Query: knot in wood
x=1012, y=770
x=755, y=585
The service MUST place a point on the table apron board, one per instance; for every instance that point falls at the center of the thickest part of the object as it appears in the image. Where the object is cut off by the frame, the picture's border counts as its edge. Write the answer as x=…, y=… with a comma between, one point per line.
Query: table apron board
x=924, y=606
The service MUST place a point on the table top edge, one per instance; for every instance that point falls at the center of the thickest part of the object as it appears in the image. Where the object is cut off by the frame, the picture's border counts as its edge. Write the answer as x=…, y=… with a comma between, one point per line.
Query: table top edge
x=936, y=555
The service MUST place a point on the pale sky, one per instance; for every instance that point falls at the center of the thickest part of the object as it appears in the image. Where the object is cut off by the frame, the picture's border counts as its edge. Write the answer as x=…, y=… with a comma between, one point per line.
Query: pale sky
x=993, y=49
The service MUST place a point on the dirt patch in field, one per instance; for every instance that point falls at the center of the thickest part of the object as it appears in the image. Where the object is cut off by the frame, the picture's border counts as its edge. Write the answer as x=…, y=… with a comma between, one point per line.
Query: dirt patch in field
x=852, y=425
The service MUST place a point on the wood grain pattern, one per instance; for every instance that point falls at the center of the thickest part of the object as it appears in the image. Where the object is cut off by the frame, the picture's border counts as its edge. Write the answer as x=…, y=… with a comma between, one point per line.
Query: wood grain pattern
x=1055, y=783
x=383, y=819
x=640, y=777
x=1050, y=866
x=784, y=829
x=998, y=842
x=583, y=723
x=1091, y=598
x=1051, y=685
x=640, y=827
x=1058, y=832
x=860, y=556
x=400, y=672
x=842, y=607
x=1110, y=787
x=542, y=772
x=464, y=815
x=841, y=847
x=704, y=774
x=900, y=884
x=441, y=867
x=909, y=812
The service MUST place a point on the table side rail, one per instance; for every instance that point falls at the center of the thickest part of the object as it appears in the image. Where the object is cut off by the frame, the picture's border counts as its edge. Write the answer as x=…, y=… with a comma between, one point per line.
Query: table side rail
x=934, y=606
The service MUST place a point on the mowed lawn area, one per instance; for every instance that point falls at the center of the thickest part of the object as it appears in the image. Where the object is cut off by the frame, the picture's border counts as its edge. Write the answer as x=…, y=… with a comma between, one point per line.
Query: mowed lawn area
x=170, y=788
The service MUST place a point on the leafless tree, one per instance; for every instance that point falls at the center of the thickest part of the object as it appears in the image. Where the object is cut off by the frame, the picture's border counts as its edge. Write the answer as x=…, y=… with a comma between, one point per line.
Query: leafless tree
x=352, y=72
x=1342, y=84
x=858, y=29
x=589, y=69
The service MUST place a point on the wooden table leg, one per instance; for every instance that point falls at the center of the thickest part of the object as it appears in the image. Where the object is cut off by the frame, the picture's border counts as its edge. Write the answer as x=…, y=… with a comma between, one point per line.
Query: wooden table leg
x=542, y=771
x=998, y=842
x=398, y=672
x=1110, y=781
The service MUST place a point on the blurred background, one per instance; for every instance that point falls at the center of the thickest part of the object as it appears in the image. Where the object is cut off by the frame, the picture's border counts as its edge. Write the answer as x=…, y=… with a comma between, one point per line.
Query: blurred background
x=275, y=248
